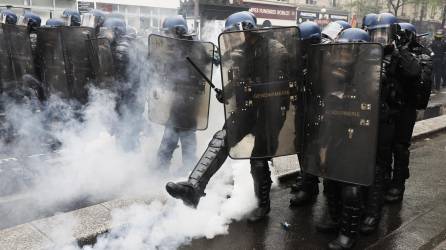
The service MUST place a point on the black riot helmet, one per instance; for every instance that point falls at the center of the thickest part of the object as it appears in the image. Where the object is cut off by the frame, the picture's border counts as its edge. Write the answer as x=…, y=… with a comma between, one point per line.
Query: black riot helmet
x=254, y=17
x=384, y=30
x=369, y=20
x=8, y=17
x=240, y=21
x=93, y=19
x=407, y=33
x=55, y=22
x=310, y=31
x=353, y=35
x=72, y=17
x=32, y=20
x=113, y=28
x=175, y=26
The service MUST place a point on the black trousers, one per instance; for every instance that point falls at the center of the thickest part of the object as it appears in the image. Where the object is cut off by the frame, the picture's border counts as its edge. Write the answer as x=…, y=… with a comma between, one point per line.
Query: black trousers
x=171, y=138
x=404, y=124
x=437, y=73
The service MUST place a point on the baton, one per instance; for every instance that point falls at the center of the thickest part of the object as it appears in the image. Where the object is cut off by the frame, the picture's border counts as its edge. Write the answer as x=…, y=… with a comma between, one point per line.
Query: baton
x=201, y=73
x=421, y=35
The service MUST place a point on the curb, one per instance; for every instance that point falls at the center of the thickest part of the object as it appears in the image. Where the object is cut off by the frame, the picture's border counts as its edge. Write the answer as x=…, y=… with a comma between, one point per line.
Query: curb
x=432, y=111
x=43, y=234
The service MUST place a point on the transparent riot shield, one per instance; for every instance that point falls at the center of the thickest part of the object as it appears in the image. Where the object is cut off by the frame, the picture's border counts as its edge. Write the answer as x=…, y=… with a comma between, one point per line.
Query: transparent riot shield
x=66, y=62
x=16, y=58
x=342, y=113
x=261, y=81
x=101, y=58
x=179, y=96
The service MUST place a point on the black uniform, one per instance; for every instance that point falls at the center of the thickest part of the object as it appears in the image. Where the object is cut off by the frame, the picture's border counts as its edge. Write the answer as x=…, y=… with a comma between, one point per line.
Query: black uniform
x=439, y=48
x=217, y=151
x=413, y=92
x=402, y=93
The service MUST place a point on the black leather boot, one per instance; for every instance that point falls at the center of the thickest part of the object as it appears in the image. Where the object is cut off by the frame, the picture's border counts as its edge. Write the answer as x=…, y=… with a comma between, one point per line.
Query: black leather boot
x=375, y=200
x=308, y=192
x=330, y=220
x=395, y=193
x=186, y=192
x=213, y=158
x=396, y=189
x=350, y=219
x=262, y=187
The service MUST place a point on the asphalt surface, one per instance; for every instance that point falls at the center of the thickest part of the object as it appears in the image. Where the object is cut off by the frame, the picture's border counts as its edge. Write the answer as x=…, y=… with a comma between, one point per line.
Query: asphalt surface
x=419, y=222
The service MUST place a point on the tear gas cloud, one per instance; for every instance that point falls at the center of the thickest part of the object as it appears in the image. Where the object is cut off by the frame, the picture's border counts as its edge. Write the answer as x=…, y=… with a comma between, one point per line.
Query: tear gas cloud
x=104, y=156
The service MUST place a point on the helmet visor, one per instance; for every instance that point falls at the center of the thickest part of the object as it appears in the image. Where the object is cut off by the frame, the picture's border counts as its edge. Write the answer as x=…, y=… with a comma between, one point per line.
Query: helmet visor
x=332, y=30
x=89, y=20
x=382, y=36
x=3, y=18
x=240, y=26
x=176, y=31
x=23, y=21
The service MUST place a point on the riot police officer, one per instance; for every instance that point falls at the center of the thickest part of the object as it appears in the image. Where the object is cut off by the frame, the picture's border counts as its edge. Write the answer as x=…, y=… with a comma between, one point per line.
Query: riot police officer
x=192, y=190
x=17, y=62
x=439, y=48
x=344, y=199
x=400, y=71
x=307, y=187
x=176, y=27
x=414, y=89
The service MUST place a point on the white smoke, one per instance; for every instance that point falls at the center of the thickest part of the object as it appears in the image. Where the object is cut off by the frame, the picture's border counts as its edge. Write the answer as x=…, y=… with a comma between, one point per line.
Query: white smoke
x=95, y=164
x=171, y=224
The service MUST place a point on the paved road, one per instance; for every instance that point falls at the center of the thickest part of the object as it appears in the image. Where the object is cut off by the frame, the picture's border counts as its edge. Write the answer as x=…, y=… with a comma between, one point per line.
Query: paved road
x=418, y=223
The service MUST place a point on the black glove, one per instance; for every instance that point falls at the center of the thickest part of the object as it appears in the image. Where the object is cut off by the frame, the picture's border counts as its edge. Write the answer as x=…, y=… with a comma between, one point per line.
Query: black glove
x=219, y=95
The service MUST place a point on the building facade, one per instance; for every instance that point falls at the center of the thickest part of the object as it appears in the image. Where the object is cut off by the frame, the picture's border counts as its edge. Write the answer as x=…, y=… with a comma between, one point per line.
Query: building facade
x=144, y=15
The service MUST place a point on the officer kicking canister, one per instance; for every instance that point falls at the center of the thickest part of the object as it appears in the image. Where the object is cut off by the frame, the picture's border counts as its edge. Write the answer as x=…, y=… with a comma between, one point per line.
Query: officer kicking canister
x=257, y=72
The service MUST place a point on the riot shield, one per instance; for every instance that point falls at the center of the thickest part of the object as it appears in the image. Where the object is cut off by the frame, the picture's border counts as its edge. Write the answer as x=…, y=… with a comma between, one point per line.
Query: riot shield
x=179, y=96
x=261, y=84
x=101, y=58
x=16, y=58
x=342, y=112
x=66, y=62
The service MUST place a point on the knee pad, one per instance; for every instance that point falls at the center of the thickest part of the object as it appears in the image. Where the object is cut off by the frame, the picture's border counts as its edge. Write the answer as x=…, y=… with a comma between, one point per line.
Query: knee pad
x=218, y=141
